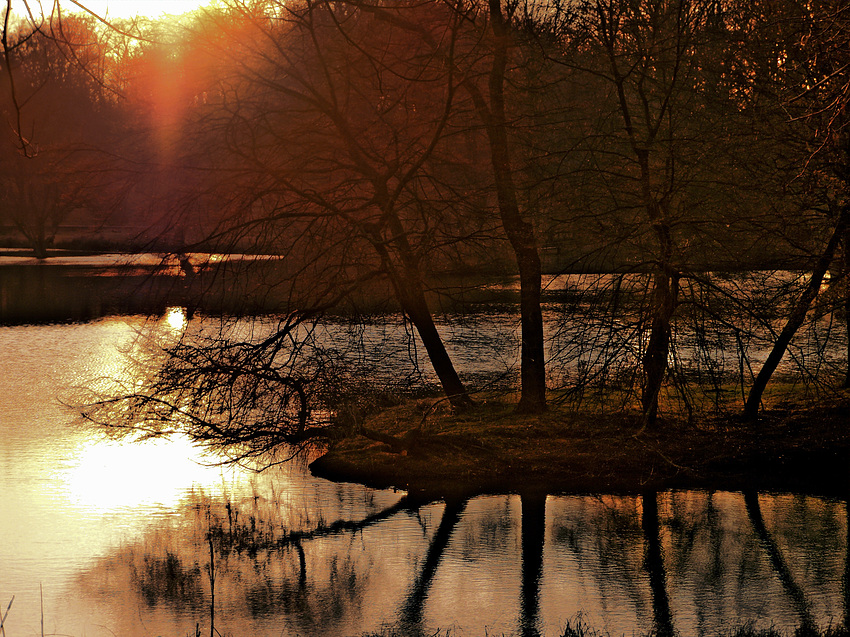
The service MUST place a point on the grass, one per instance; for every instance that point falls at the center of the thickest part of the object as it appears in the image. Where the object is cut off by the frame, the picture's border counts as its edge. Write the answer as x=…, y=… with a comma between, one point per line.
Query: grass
x=578, y=628
x=493, y=448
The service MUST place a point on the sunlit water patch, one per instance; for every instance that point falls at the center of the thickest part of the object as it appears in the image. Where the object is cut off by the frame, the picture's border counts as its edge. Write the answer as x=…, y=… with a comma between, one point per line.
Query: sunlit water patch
x=152, y=538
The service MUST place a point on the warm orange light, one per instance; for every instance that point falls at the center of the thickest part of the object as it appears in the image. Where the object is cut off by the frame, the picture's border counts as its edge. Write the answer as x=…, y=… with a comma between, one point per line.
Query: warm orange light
x=175, y=319
x=131, y=8
x=113, y=9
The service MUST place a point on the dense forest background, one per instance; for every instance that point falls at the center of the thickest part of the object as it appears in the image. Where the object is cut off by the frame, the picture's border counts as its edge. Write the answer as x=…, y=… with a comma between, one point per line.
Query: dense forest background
x=687, y=160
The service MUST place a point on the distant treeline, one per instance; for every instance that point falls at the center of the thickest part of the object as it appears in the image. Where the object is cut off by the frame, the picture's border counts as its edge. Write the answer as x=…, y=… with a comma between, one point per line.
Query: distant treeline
x=374, y=145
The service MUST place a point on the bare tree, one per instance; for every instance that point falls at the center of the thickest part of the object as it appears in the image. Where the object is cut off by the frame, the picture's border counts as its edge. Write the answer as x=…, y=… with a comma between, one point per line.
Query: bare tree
x=814, y=87
x=60, y=114
x=649, y=152
x=318, y=137
x=342, y=150
x=485, y=73
x=518, y=228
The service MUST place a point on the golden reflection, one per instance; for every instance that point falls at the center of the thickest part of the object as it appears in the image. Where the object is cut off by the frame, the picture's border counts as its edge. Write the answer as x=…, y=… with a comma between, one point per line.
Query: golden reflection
x=280, y=563
x=276, y=565
x=111, y=475
x=175, y=318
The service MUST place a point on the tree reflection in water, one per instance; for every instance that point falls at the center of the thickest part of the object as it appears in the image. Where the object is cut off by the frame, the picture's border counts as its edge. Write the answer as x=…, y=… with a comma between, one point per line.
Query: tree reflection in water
x=596, y=563
x=273, y=565
x=845, y=584
x=411, y=612
x=167, y=581
x=688, y=562
x=695, y=562
x=662, y=617
x=777, y=561
x=533, y=539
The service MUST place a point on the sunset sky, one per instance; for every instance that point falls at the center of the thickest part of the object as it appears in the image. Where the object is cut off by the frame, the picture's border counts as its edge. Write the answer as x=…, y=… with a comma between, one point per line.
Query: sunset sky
x=151, y=8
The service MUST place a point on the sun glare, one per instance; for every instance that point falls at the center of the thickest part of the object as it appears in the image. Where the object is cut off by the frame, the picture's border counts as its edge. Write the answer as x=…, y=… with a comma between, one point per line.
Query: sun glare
x=175, y=318
x=114, y=9
x=145, y=8
x=107, y=476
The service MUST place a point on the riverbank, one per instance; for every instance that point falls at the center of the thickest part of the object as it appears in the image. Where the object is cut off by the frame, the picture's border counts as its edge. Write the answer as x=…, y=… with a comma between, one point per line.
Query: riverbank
x=579, y=628
x=493, y=449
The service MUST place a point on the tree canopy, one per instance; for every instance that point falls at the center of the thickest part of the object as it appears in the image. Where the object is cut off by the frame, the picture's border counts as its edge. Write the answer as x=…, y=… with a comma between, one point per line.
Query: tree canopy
x=663, y=150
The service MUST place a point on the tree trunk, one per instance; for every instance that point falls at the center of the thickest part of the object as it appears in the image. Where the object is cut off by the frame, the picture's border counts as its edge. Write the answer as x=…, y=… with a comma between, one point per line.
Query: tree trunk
x=532, y=359
x=407, y=284
x=411, y=295
x=416, y=308
x=658, y=349
x=846, y=299
x=36, y=238
x=39, y=250
x=520, y=233
x=664, y=296
x=796, y=318
x=665, y=284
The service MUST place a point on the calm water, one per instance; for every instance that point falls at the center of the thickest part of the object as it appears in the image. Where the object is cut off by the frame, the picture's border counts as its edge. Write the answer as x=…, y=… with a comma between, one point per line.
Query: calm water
x=108, y=538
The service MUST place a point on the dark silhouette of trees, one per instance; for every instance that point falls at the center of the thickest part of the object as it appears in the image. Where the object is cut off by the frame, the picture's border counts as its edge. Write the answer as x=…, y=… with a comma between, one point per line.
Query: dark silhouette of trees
x=60, y=115
x=683, y=149
x=321, y=138
x=811, y=82
x=37, y=196
x=533, y=540
x=366, y=148
x=411, y=612
x=244, y=398
x=337, y=158
x=653, y=156
x=795, y=318
x=662, y=616
x=491, y=79
x=792, y=588
x=519, y=229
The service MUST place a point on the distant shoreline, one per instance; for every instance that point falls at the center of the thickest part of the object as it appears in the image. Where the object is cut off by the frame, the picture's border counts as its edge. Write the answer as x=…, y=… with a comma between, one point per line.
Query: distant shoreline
x=574, y=266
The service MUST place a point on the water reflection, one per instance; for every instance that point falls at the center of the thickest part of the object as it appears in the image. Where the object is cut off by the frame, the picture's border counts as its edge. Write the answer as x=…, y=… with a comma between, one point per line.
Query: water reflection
x=693, y=560
x=176, y=318
x=411, y=613
x=146, y=539
x=533, y=539
x=411, y=565
x=662, y=617
x=110, y=475
x=845, y=583
x=792, y=588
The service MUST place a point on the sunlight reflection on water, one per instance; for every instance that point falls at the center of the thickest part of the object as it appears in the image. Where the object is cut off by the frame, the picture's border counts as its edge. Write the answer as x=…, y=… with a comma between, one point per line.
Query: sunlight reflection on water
x=119, y=534
x=176, y=319
x=111, y=475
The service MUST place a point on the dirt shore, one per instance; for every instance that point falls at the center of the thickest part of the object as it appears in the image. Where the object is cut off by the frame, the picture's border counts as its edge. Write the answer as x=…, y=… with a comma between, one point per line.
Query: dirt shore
x=492, y=449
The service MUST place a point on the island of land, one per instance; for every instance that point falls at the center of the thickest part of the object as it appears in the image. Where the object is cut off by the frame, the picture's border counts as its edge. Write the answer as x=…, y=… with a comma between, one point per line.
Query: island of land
x=492, y=448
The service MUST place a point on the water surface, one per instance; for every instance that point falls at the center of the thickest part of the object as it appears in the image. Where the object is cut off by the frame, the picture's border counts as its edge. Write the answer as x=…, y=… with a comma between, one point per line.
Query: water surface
x=101, y=537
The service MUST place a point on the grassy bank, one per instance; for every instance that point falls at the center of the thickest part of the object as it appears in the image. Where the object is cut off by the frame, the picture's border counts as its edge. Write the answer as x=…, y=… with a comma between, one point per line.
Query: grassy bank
x=491, y=448
x=580, y=629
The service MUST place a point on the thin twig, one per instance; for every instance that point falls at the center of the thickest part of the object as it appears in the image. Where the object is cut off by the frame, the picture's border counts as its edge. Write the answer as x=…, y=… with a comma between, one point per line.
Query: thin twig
x=3, y=618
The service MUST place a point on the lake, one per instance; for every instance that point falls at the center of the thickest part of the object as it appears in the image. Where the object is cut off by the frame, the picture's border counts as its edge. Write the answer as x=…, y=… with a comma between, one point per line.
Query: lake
x=101, y=537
